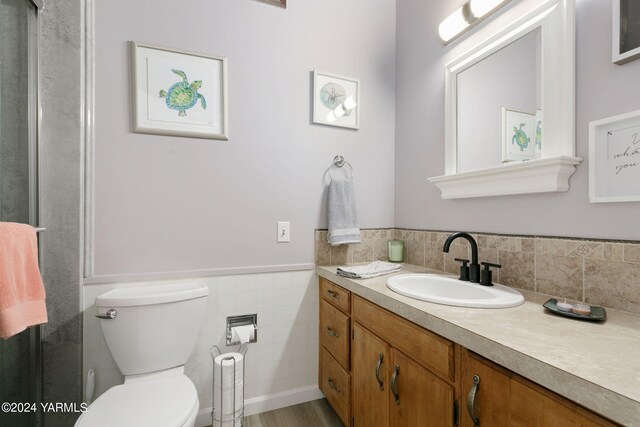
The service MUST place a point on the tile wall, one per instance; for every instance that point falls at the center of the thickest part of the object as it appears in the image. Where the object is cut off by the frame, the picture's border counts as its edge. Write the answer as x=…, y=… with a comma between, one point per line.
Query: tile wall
x=284, y=359
x=599, y=272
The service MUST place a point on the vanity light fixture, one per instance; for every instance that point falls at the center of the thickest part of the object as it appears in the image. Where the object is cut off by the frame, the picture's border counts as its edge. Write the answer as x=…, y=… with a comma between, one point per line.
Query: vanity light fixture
x=468, y=15
x=455, y=24
x=480, y=8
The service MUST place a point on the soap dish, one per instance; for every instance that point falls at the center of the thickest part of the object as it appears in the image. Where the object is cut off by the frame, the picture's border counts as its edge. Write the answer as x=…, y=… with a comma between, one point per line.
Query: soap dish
x=598, y=313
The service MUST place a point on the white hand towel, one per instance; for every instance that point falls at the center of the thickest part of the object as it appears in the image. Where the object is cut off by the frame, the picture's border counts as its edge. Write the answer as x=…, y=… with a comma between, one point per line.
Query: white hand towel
x=343, y=218
x=374, y=269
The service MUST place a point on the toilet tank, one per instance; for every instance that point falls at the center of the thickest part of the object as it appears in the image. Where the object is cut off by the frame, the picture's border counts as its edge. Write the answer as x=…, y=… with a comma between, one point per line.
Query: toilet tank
x=155, y=327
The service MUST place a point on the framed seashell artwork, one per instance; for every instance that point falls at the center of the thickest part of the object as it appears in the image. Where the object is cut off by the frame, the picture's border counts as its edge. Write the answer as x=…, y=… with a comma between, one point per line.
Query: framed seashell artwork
x=179, y=93
x=336, y=100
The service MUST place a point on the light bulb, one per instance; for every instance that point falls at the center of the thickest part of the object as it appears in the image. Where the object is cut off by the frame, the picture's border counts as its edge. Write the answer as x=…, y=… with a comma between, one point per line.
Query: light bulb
x=453, y=25
x=480, y=8
x=339, y=111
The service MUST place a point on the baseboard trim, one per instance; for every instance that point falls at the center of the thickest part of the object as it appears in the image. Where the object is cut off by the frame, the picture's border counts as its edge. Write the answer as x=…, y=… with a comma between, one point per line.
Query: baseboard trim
x=260, y=404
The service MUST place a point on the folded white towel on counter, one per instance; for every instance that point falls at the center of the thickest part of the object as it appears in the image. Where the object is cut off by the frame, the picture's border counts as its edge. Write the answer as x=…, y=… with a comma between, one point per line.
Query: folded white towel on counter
x=374, y=269
x=343, y=218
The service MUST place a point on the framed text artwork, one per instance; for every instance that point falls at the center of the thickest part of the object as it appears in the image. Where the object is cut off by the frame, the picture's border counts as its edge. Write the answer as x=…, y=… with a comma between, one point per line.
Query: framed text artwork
x=614, y=159
x=181, y=93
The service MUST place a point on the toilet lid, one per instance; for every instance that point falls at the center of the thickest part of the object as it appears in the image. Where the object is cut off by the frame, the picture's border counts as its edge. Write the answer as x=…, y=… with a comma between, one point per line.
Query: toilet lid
x=162, y=402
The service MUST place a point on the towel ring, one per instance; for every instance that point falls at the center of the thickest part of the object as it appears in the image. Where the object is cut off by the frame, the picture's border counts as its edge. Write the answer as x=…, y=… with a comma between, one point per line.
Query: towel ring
x=339, y=162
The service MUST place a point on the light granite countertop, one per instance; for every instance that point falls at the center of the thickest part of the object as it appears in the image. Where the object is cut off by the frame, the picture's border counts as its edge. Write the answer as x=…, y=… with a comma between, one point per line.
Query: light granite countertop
x=596, y=364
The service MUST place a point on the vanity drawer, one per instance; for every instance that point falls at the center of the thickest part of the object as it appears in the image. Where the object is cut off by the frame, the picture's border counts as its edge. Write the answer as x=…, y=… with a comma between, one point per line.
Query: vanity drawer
x=335, y=333
x=430, y=350
x=339, y=297
x=335, y=383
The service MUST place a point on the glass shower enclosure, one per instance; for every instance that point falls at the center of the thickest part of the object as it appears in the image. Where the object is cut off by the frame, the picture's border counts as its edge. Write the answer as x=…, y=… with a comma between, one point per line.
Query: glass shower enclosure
x=20, y=366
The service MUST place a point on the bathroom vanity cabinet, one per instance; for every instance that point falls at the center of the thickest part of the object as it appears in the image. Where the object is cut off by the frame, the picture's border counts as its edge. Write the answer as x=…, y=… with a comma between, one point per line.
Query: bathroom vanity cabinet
x=503, y=398
x=379, y=369
x=415, y=380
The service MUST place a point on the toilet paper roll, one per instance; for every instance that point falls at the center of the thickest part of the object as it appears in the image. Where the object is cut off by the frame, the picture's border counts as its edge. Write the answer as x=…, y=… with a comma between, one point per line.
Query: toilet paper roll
x=244, y=333
x=226, y=378
x=224, y=404
x=224, y=387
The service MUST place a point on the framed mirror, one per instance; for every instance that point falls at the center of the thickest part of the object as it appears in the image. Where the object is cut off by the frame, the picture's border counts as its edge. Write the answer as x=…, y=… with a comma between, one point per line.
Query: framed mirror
x=510, y=104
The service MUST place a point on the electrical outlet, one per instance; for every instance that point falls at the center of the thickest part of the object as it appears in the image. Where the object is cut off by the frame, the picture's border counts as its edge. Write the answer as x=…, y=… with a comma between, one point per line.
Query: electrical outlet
x=284, y=232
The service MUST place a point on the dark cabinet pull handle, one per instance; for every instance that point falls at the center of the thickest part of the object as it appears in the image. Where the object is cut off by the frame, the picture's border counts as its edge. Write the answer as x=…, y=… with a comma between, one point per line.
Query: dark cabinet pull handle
x=333, y=294
x=332, y=333
x=471, y=399
x=380, y=359
x=333, y=385
x=394, y=378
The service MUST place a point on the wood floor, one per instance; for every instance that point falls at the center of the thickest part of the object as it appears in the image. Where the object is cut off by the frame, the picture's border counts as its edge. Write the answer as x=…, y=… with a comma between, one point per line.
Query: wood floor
x=317, y=413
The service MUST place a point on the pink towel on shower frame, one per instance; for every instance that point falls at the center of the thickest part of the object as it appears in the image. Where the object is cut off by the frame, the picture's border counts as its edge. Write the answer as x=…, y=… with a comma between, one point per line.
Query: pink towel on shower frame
x=21, y=288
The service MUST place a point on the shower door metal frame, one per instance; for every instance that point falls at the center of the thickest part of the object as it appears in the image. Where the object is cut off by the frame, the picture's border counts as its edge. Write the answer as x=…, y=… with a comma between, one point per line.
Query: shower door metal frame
x=34, y=112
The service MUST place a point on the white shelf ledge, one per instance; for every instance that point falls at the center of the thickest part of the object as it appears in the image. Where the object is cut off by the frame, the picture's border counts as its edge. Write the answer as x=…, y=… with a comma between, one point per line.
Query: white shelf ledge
x=534, y=176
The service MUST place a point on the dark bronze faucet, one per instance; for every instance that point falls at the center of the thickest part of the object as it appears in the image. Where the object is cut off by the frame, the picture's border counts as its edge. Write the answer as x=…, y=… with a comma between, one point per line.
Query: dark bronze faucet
x=471, y=272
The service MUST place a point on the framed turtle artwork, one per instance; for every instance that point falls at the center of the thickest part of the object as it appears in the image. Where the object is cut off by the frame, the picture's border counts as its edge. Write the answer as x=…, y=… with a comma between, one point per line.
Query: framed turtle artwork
x=518, y=135
x=179, y=93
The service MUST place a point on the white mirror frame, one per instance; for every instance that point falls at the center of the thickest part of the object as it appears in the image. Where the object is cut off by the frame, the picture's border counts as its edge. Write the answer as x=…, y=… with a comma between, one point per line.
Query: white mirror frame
x=551, y=173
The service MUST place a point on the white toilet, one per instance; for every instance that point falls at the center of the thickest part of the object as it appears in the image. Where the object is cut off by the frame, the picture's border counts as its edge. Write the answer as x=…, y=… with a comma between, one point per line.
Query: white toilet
x=150, y=332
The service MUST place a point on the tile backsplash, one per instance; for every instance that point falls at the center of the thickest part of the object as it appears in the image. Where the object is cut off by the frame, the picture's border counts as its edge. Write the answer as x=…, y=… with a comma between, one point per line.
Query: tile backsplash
x=599, y=272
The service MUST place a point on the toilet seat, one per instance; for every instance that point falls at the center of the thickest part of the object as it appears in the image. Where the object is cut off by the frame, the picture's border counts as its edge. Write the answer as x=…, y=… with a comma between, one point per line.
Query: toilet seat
x=161, y=402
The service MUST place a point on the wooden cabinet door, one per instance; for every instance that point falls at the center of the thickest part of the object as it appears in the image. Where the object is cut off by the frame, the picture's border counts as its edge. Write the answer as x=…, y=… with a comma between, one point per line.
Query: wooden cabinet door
x=505, y=399
x=492, y=393
x=531, y=405
x=418, y=398
x=370, y=401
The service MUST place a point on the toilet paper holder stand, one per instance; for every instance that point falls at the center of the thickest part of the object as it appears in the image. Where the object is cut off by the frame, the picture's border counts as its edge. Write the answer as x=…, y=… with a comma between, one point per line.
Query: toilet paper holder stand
x=218, y=419
x=235, y=321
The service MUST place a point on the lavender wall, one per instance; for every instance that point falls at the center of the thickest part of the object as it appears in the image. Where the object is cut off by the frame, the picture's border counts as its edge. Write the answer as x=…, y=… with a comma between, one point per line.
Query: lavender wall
x=170, y=204
x=603, y=89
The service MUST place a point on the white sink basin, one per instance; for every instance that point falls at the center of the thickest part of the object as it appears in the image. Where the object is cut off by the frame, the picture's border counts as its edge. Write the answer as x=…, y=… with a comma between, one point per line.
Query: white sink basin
x=451, y=291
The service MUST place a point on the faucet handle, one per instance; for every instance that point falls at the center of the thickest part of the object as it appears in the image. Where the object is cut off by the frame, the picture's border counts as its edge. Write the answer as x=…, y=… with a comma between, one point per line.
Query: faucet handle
x=490, y=264
x=464, y=269
x=485, y=274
